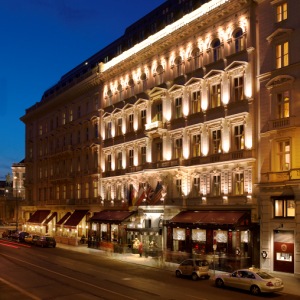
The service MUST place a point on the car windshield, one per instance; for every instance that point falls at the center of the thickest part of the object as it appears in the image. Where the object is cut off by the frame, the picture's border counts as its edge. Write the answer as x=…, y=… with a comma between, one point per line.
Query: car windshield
x=264, y=275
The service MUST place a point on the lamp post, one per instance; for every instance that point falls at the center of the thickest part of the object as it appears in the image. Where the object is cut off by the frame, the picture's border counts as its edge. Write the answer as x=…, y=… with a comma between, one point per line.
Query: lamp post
x=214, y=248
x=17, y=202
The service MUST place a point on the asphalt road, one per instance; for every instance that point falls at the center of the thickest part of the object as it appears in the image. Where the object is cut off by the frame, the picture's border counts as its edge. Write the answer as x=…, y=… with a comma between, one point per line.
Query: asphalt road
x=42, y=273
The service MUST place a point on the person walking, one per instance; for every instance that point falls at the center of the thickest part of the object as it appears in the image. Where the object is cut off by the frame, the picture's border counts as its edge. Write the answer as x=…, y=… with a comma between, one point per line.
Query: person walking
x=140, y=249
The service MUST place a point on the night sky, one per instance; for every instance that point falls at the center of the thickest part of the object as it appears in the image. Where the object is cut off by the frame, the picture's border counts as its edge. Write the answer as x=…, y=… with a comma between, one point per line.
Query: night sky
x=41, y=40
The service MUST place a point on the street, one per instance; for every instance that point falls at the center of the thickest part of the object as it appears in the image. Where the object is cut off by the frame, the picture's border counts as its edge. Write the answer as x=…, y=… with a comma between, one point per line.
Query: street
x=56, y=273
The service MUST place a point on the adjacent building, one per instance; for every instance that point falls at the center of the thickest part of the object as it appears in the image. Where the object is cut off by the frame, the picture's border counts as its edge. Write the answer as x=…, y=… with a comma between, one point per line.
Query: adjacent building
x=164, y=138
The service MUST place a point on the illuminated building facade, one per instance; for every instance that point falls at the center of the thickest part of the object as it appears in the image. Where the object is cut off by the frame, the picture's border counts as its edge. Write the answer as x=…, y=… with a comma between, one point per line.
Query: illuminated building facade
x=278, y=160
x=155, y=137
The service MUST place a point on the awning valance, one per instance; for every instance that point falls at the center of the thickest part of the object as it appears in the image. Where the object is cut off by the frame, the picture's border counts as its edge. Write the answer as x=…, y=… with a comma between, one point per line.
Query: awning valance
x=111, y=216
x=212, y=217
x=39, y=216
x=75, y=218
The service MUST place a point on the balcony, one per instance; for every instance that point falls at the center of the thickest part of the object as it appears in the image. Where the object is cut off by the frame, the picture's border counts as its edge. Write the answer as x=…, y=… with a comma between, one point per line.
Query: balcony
x=281, y=123
x=280, y=176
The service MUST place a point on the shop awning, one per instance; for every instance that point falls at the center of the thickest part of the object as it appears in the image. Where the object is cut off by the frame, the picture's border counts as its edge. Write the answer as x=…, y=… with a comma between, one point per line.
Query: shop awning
x=64, y=218
x=111, y=216
x=39, y=216
x=75, y=218
x=212, y=217
x=49, y=219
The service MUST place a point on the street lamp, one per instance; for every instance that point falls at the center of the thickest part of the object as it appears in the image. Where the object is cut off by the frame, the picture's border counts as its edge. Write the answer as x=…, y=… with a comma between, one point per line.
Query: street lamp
x=214, y=248
x=17, y=202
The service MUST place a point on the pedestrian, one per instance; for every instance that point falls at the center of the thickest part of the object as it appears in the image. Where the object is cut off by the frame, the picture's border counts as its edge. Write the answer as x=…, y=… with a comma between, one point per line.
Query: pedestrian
x=140, y=248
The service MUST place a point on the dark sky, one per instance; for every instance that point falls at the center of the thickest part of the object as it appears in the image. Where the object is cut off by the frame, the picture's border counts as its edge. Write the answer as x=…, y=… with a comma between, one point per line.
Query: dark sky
x=40, y=41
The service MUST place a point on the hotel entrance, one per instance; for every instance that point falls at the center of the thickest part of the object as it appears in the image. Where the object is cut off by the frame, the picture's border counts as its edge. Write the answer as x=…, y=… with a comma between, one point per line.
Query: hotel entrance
x=284, y=251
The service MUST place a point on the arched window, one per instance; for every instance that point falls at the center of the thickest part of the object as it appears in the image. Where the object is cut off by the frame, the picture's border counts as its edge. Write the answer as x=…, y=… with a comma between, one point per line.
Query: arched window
x=196, y=58
x=178, y=64
x=238, y=40
x=159, y=72
x=216, y=47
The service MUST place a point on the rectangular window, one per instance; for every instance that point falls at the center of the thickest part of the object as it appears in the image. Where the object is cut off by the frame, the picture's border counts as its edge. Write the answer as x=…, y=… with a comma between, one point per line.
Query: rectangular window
x=239, y=184
x=119, y=126
x=70, y=115
x=196, y=102
x=178, y=148
x=284, y=155
x=178, y=186
x=131, y=157
x=130, y=123
x=63, y=119
x=95, y=189
x=283, y=105
x=108, y=130
x=96, y=132
x=143, y=155
x=215, y=97
x=281, y=12
x=282, y=55
x=239, y=139
x=159, y=112
x=87, y=190
x=78, y=190
x=216, y=185
x=196, y=145
x=78, y=112
x=216, y=141
x=119, y=161
x=178, y=107
x=108, y=167
x=284, y=208
x=143, y=118
x=238, y=88
x=159, y=151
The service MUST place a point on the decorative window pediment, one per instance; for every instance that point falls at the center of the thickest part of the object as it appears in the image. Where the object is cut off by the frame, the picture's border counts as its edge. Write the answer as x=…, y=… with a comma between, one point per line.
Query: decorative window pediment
x=279, y=80
x=280, y=32
x=213, y=73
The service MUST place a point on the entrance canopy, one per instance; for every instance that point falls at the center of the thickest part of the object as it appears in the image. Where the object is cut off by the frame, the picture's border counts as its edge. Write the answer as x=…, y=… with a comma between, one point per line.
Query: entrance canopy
x=212, y=218
x=111, y=216
x=75, y=218
x=39, y=216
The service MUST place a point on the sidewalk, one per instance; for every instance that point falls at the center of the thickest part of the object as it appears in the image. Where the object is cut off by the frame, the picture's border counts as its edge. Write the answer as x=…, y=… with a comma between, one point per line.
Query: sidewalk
x=291, y=283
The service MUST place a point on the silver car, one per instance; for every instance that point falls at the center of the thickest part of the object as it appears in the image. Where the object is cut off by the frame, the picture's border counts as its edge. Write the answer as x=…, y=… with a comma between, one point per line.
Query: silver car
x=254, y=280
x=196, y=268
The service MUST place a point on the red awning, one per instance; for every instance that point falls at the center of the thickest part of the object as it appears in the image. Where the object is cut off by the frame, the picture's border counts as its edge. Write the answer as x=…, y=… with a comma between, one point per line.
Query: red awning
x=39, y=216
x=111, y=216
x=64, y=218
x=209, y=217
x=75, y=218
x=54, y=214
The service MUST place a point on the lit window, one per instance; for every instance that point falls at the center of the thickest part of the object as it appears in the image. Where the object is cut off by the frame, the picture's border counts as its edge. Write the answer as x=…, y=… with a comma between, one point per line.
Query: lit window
x=282, y=55
x=196, y=145
x=283, y=105
x=238, y=183
x=238, y=41
x=281, y=12
x=178, y=148
x=95, y=188
x=87, y=190
x=108, y=130
x=119, y=126
x=131, y=157
x=130, y=123
x=159, y=111
x=143, y=118
x=284, y=155
x=178, y=107
x=216, y=141
x=70, y=115
x=216, y=185
x=196, y=102
x=178, y=186
x=216, y=46
x=215, y=95
x=238, y=88
x=119, y=161
x=284, y=208
x=239, y=139
x=159, y=151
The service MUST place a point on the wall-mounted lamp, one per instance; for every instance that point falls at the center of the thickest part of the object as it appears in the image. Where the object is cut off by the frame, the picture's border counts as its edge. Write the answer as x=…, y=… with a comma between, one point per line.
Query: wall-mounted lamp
x=264, y=254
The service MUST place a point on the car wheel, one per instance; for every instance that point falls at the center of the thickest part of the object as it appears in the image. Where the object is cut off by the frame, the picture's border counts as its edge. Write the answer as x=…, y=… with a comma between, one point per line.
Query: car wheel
x=255, y=290
x=178, y=273
x=219, y=282
x=195, y=276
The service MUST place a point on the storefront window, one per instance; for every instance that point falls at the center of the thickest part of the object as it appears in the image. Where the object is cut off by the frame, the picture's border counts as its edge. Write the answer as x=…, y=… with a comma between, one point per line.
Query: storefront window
x=104, y=231
x=179, y=239
x=284, y=256
x=114, y=233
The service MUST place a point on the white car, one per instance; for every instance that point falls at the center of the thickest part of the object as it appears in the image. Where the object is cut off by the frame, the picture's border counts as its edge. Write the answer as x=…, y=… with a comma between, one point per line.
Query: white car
x=254, y=280
x=195, y=268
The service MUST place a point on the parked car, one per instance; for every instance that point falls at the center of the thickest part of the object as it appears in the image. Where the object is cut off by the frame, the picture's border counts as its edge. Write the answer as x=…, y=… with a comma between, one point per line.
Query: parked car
x=18, y=235
x=253, y=280
x=194, y=268
x=31, y=238
x=46, y=241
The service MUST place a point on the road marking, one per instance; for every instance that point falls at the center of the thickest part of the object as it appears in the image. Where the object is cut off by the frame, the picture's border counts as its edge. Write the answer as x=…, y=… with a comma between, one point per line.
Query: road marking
x=66, y=276
x=22, y=291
